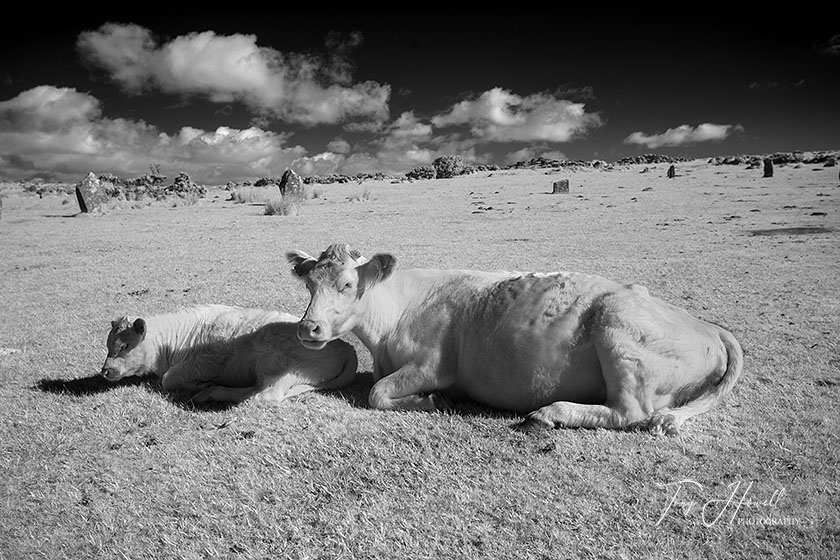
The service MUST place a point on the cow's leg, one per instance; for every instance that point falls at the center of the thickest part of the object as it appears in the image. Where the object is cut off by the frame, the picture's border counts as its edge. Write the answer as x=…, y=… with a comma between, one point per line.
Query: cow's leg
x=624, y=363
x=563, y=414
x=409, y=388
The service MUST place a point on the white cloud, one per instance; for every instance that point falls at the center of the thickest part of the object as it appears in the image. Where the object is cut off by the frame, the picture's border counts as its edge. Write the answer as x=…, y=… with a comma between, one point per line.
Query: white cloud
x=498, y=115
x=339, y=146
x=47, y=108
x=226, y=68
x=831, y=47
x=408, y=127
x=60, y=133
x=684, y=134
x=325, y=163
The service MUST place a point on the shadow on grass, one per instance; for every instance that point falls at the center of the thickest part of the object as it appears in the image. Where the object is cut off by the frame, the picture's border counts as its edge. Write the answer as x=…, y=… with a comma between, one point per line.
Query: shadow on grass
x=356, y=395
x=96, y=384
x=92, y=385
x=63, y=215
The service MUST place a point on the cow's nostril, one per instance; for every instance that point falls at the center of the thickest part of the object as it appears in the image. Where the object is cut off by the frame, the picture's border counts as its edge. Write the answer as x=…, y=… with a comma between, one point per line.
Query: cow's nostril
x=309, y=329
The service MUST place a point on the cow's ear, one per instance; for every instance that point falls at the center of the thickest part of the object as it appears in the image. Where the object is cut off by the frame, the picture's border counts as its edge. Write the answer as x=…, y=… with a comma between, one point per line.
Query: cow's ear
x=139, y=327
x=377, y=269
x=301, y=262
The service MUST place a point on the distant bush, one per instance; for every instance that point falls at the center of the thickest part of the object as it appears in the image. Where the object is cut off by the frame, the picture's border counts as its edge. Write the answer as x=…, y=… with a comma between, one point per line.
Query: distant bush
x=448, y=166
x=268, y=182
x=422, y=172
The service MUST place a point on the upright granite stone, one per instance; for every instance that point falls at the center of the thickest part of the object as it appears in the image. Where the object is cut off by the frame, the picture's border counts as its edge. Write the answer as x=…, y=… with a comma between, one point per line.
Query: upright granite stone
x=768, y=167
x=291, y=184
x=91, y=193
x=561, y=187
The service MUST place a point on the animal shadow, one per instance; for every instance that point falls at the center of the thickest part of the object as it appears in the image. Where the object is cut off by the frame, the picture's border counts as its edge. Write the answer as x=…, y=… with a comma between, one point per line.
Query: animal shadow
x=356, y=395
x=93, y=385
x=96, y=384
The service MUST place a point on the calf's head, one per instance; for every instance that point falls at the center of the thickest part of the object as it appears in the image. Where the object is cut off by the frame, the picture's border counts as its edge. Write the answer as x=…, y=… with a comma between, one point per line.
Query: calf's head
x=126, y=351
x=337, y=282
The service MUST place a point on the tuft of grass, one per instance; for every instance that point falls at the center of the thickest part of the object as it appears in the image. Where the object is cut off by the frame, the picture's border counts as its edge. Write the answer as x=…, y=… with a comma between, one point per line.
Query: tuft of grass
x=285, y=206
x=250, y=195
x=359, y=196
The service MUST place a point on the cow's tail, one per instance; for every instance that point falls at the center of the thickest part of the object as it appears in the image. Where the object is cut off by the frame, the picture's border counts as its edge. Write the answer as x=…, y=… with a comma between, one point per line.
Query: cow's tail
x=705, y=396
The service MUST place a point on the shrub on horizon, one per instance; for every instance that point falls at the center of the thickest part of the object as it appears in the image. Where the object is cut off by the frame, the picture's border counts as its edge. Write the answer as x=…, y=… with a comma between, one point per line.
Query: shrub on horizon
x=422, y=172
x=448, y=166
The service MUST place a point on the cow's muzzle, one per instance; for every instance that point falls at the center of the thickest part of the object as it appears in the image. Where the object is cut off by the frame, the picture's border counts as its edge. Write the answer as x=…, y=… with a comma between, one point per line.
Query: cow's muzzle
x=312, y=335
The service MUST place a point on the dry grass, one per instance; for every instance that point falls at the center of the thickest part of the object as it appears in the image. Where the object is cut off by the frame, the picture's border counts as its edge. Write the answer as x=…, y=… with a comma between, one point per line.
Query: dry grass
x=91, y=470
x=283, y=206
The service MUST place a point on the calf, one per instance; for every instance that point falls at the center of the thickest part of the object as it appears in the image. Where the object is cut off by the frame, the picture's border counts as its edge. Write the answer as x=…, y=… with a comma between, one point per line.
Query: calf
x=220, y=353
x=567, y=349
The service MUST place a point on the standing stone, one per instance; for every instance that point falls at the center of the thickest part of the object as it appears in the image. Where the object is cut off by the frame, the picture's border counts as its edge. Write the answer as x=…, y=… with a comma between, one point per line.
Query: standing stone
x=561, y=187
x=672, y=172
x=91, y=193
x=291, y=184
x=768, y=167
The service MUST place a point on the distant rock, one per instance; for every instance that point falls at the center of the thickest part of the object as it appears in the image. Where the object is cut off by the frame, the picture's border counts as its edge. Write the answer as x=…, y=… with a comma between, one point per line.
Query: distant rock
x=560, y=187
x=91, y=193
x=291, y=184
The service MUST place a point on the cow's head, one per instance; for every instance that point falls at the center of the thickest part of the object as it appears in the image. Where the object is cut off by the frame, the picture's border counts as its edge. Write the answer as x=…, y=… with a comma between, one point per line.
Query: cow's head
x=126, y=353
x=337, y=282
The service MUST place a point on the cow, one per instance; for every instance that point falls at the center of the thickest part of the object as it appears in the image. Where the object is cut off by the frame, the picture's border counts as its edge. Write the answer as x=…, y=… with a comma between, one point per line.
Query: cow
x=218, y=353
x=565, y=349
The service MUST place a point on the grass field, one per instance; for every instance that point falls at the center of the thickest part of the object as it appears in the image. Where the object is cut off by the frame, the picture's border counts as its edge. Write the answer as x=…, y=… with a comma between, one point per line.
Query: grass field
x=92, y=470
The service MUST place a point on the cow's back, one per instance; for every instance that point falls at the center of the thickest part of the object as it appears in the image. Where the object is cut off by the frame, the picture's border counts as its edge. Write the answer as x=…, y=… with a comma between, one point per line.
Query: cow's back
x=219, y=323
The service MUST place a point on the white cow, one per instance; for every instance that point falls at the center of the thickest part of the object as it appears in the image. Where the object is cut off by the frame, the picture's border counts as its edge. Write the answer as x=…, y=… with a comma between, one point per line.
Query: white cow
x=220, y=353
x=568, y=349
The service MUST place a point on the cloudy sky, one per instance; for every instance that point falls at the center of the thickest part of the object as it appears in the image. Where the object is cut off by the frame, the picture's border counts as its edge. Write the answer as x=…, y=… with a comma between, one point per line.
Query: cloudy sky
x=227, y=96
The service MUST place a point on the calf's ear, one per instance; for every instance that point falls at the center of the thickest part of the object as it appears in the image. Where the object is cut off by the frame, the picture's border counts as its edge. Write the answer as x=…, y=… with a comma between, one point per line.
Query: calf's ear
x=377, y=269
x=301, y=262
x=139, y=327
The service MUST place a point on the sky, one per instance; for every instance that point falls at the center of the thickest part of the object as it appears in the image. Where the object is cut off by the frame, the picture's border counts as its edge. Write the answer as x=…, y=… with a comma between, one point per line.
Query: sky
x=227, y=95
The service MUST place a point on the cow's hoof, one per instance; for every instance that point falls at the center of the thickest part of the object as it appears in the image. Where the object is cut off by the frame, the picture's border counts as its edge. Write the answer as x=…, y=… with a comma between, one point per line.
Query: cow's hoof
x=532, y=425
x=663, y=425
